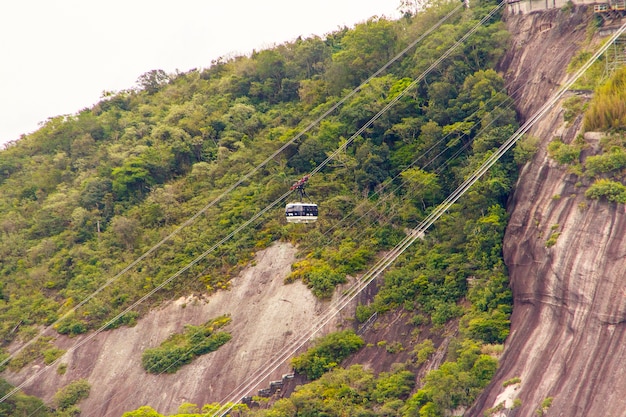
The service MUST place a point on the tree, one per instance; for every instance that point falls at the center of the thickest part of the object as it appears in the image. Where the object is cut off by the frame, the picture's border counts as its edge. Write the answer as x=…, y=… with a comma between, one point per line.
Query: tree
x=112, y=160
x=393, y=385
x=242, y=118
x=373, y=165
x=310, y=57
x=424, y=185
x=311, y=153
x=21, y=404
x=153, y=80
x=132, y=180
x=96, y=193
x=326, y=353
x=412, y=7
x=604, y=188
x=408, y=130
x=363, y=50
x=126, y=231
x=72, y=393
x=270, y=72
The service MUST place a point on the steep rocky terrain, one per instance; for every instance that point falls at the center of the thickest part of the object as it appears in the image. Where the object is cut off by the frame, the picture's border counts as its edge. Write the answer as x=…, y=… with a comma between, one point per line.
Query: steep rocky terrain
x=266, y=316
x=568, y=335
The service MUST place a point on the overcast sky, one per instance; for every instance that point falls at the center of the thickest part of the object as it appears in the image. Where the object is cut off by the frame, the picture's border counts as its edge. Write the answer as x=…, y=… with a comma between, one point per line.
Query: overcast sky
x=58, y=56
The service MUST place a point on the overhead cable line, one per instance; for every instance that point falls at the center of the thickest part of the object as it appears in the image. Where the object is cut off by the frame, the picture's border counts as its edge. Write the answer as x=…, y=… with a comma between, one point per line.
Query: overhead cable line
x=416, y=233
x=381, y=265
x=431, y=160
x=409, y=87
x=242, y=179
x=351, y=290
x=400, y=248
x=349, y=294
x=384, y=263
x=456, y=153
x=445, y=55
x=192, y=219
x=437, y=170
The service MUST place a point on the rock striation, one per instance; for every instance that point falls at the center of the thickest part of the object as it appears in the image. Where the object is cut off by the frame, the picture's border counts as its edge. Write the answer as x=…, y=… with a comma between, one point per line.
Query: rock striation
x=566, y=255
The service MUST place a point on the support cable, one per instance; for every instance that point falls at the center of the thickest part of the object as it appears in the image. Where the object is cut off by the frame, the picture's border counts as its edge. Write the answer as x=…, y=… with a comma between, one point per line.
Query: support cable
x=416, y=233
x=192, y=219
x=242, y=179
x=353, y=292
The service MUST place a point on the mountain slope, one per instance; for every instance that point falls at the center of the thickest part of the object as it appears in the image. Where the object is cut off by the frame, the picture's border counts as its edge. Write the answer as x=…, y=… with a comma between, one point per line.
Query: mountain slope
x=266, y=317
x=87, y=194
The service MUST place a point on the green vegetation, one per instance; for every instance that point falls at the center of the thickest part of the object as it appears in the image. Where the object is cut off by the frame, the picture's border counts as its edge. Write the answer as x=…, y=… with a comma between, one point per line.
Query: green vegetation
x=145, y=411
x=546, y=403
x=355, y=391
x=71, y=394
x=491, y=411
x=394, y=347
x=88, y=193
x=574, y=107
x=423, y=351
x=4, y=357
x=21, y=404
x=595, y=74
x=552, y=239
x=568, y=7
x=512, y=381
x=609, y=162
x=607, y=113
x=327, y=353
x=51, y=355
x=62, y=369
x=562, y=153
x=525, y=149
x=182, y=348
x=188, y=410
x=454, y=384
x=41, y=349
x=65, y=401
x=434, y=279
x=318, y=275
x=607, y=109
x=606, y=189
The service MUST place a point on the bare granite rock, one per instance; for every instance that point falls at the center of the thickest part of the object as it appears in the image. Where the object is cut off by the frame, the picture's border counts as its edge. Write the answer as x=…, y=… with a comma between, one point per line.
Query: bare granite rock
x=266, y=314
x=566, y=257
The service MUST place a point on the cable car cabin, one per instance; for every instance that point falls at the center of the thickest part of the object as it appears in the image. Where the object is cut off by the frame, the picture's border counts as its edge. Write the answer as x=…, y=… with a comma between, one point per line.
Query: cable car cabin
x=301, y=212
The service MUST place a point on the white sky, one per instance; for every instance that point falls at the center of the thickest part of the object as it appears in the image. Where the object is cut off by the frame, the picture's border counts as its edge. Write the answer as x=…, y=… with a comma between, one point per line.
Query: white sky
x=58, y=56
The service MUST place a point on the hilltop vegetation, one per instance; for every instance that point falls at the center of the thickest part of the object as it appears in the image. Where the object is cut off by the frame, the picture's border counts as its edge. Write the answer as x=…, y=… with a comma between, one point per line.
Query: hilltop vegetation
x=87, y=194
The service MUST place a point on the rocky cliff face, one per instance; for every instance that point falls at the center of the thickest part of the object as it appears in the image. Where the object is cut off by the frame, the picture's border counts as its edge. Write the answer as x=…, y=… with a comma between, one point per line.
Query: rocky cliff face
x=267, y=316
x=568, y=333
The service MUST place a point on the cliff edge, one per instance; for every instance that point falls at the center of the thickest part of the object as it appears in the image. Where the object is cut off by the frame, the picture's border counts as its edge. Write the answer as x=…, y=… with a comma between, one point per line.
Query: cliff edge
x=566, y=353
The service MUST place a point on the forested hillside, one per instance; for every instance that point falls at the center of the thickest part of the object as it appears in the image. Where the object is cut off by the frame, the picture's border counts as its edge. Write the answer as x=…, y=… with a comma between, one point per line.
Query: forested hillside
x=89, y=193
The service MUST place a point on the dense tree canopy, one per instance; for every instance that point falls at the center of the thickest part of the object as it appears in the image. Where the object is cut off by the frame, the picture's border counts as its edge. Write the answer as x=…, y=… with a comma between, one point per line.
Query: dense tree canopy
x=88, y=193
